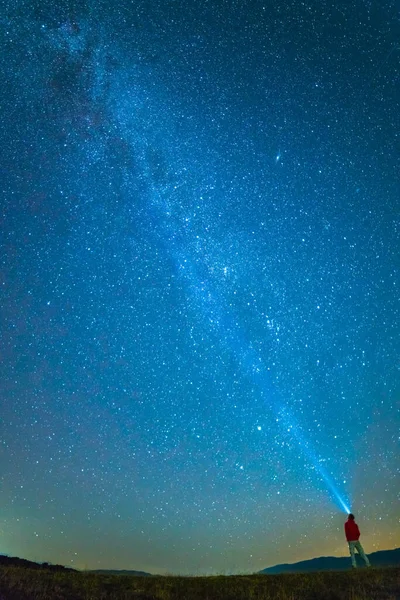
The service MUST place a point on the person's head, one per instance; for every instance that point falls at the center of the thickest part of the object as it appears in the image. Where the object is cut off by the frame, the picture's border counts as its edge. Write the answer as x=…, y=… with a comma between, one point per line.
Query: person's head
x=351, y=517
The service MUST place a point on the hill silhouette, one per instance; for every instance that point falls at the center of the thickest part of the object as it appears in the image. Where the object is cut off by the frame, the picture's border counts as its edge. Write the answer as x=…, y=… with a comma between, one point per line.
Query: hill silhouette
x=120, y=572
x=382, y=558
x=14, y=561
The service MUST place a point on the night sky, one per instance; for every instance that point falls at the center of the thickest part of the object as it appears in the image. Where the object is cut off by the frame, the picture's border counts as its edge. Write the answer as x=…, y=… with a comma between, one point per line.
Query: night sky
x=199, y=281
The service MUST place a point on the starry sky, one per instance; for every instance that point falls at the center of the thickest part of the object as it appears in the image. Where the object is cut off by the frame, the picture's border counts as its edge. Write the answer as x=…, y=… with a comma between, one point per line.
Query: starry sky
x=199, y=281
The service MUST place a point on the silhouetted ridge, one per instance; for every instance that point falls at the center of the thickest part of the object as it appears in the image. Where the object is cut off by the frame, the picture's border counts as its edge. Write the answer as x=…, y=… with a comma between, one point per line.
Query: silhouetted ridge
x=14, y=561
x=382, y=558
x=121, y=572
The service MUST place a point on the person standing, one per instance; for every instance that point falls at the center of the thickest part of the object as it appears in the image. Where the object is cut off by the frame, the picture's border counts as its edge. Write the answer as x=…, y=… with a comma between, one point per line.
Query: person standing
x=352, y=536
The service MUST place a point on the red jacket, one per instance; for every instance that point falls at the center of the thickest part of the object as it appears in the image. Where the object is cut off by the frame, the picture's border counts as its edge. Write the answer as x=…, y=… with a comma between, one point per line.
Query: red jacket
x=351, y=530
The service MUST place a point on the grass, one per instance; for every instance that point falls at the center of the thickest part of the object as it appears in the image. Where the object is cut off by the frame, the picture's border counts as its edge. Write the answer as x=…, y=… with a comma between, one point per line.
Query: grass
x=18, y=583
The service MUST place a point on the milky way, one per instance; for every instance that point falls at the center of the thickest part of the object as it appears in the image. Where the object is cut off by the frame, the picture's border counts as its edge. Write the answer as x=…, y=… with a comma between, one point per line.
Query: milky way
x=199, y=282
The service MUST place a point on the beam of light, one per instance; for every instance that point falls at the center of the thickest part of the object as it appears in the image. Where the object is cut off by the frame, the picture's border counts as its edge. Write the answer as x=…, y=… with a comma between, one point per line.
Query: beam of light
x=232, y=336
x=289, y=421
x=218, y=315
x=253, y=368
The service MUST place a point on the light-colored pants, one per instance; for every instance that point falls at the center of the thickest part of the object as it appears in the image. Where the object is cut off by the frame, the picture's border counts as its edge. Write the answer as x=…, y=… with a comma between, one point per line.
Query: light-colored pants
x=353, y=546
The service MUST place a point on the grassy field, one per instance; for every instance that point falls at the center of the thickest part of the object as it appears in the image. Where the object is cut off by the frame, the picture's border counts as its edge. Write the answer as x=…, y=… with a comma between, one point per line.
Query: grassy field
x=18, y=583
